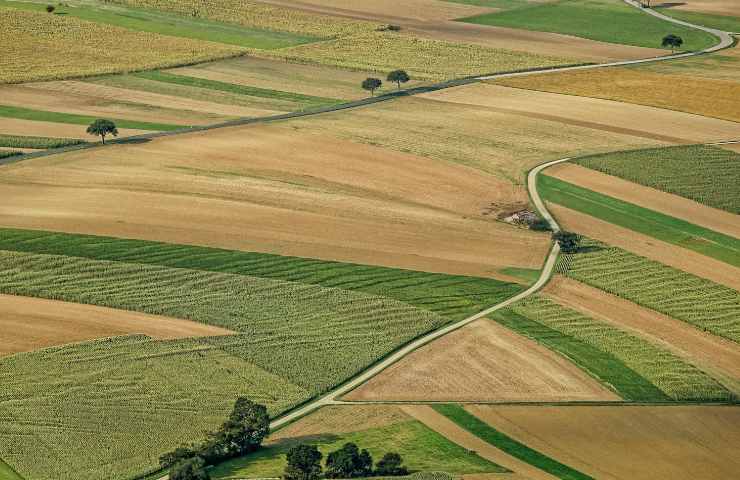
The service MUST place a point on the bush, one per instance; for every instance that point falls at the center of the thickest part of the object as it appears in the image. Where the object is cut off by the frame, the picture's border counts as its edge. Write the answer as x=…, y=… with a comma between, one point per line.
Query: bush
x=349, y=462
x=190, y=469
x=540, y=225
x=50, y=8
x=568, y=241
x=304, y=463
x=391, y=465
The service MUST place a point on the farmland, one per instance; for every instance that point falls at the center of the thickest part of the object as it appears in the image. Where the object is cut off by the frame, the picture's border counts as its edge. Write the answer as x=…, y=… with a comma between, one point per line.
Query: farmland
x=704, y=174
x=663, y=227
x=724, y=20
x=18, y=141
x=699, y=302
x=601, y=20
x=648, y=371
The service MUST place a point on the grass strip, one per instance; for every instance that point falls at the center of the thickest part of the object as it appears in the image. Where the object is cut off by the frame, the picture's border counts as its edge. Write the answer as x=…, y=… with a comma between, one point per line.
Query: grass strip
x=173, y=25
x=503, y=442
x=702, y=173
x=8, y=154
x=18, y=141
x=453, y=296
x=602, y=20
x=234, y=88
x=642, y=220
x=7, y=473
x=601, y=365
x=726, y=23
x=74, y=119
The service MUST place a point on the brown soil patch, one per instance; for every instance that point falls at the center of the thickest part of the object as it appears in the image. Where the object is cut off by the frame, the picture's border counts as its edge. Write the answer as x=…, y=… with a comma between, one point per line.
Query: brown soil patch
x=721, y=7
x=628, y=442
x=342, y=419
x=102, y=101
x=650, y=198
x=273, y=189
x=32, y=323
x=450, y=430
x=637, y=120
x=704, y=96
x=483, y=361
x=677, y=257
x=713, y=354
x=434, y=20
x=14, y=126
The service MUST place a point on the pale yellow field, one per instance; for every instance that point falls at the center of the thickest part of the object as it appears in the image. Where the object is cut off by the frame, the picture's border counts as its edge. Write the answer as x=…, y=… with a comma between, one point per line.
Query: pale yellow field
x=720, y=7
x=46, y=47
x=275, y=189
x=16, y=126
x=628, y=442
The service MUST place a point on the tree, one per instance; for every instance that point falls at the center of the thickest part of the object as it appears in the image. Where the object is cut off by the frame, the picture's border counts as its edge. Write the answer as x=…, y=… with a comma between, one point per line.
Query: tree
x=190, y=469
x=371, y=84
x=50, y=8
x=398, y=76
x=102, y=127
x=568, y=241
x=177, y=455
x=391, y=465
x=244, y=430
x=673, y=41
x=349, y=462
x=304, y=463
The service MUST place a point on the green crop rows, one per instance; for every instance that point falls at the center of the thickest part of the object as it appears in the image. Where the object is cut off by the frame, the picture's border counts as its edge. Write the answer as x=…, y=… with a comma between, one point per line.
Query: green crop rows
x=70, y=411
x=74, y=119
x=452, y=296
x=675, y=378
x=705, y=174
x=502, y=441
x=11, y=153
x=702, y=303
x=15, y=141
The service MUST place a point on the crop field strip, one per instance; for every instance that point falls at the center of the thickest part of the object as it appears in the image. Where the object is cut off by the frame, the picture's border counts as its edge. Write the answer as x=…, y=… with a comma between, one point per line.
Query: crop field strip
x=648, y=222
x=602, y=20
x=71, y=118
x=19, y=141
x=103, y=396
x=725, y=23
x=637, y=369
x=703, y=173
x=452, y=296
x=509, y=445
x=704, y=304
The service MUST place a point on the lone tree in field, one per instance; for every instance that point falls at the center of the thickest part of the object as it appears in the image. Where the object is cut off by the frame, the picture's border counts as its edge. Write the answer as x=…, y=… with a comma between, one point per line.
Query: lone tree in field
x=371, y=84
x=391, y=465
x=398, y=76
x=349, y=462
x=673, y=41
x=304, y=463
x=190, y=469
x=101, y=128
x=568, y=241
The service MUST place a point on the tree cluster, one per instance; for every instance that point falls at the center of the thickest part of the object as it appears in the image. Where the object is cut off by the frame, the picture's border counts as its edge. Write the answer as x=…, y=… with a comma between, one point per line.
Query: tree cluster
x=242, y=433
x=398, y=76
x=304, y=463
x=569, y=241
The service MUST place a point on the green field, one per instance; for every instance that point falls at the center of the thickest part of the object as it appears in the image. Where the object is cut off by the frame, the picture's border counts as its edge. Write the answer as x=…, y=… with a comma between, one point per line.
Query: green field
x=453, y=296
x=648, y=222
x=16, y=141
x=726, y=23
x=7, y=473
x=502, y=4
x=502, y=441
x=172, y=24
x=10, y=153
x=706, y=305
x=303, y=100
x=702, y=173
x=422, y=449
x=58, y=117
x=84, y=405
x=633, y=367
x=602, y=20
x=528, y=275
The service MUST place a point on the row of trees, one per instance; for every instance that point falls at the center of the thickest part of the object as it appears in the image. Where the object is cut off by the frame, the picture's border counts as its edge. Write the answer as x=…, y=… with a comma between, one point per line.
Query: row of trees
x=242, y=433
x=304, y=463
x=398, y=76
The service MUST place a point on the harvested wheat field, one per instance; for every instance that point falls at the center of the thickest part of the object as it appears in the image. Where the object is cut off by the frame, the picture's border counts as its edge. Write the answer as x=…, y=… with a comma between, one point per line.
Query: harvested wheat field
x=504, y=144
x=734, y=147
x=713, y=354
x=704, y=96
x=628, y=442
x=604, y=115
x=32, y=323
x=17, y=126
x=650, y=198
x=434, y=20
x=101, y=100
x=336, y=419
x=455, y=433
x=720, y=7
x=646, y=246
x=483, y=361
x=277, y=190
